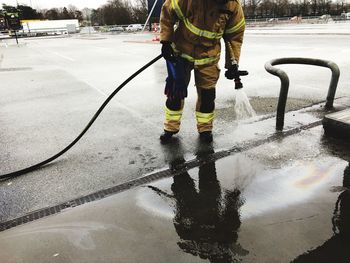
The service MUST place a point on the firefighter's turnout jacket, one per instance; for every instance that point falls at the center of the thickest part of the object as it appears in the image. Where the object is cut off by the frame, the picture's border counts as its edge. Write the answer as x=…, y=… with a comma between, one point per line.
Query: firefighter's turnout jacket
x=201, y=25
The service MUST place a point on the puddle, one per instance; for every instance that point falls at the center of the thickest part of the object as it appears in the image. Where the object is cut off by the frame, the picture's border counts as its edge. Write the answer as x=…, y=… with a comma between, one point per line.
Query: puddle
x=237, y=209
x=262, y=189
x=209, y=205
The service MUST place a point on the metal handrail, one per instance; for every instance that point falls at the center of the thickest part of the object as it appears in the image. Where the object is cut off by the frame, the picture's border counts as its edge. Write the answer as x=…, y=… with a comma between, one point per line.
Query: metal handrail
x=269, y=66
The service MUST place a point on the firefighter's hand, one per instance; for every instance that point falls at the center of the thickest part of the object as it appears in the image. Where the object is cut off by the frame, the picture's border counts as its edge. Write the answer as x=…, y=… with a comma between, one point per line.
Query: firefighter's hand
x=232, y=72
x=167, y=51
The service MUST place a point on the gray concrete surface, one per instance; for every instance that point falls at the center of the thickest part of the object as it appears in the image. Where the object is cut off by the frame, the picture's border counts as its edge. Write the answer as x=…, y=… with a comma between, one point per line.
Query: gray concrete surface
x=273, y=203
x=338, y=124
x=51, y=87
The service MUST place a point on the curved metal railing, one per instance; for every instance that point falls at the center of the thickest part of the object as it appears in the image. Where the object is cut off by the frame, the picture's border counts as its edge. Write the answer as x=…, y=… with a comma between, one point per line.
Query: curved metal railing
x=269, y=66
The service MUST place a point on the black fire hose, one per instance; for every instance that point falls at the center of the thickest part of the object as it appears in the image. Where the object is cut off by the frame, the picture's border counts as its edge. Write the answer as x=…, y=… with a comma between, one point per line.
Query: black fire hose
x=38, y=165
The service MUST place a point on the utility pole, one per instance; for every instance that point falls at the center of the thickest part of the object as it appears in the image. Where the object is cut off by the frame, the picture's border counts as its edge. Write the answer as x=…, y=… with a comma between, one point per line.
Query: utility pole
x=150, y=14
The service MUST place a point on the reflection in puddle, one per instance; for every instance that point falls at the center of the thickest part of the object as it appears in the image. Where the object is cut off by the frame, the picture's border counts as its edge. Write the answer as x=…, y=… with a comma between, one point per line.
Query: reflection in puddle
x=207, y=210
x=206, y=216
x=336, y=249
x=207, y=221
x=264, y=190
x=314, y=176
x=277, y=189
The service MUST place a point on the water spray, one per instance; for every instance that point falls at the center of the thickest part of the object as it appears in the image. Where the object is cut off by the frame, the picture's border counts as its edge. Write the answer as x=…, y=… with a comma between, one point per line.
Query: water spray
x=242, y=106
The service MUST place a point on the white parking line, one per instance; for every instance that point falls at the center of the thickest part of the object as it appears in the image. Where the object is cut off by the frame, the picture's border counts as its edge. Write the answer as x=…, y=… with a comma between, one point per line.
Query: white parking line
x=98, y=90
x=3, y=43
x=131, y=111
x=36, y=46
x=62, y=56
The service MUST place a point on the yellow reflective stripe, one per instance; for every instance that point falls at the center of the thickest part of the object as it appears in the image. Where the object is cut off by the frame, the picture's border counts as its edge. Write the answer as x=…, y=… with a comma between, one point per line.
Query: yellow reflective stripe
x=171, y=115
x=202, y=33
x=178, y=11
x=204, y=117
x=195, y=30
x=236, y=27
x=197, y=62
x=203, y=61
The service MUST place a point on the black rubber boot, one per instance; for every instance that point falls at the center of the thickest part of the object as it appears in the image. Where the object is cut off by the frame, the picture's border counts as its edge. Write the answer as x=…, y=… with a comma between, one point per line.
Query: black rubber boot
x=166, y=136
x=206, y=136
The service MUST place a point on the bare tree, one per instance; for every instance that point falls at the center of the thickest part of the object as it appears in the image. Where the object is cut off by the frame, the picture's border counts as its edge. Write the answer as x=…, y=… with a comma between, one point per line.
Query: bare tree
x=140, y=11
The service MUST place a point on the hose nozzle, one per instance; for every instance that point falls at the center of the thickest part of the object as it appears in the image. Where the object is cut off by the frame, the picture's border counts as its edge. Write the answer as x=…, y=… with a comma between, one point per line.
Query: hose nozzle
x=238, y=82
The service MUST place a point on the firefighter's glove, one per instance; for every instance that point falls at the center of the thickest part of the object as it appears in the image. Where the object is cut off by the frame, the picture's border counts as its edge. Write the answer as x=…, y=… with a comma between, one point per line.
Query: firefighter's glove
x=232, y=72
x=176, y=87
x=167, y=51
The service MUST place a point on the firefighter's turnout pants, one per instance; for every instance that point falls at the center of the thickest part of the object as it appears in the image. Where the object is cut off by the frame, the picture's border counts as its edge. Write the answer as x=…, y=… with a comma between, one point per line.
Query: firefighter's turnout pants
x=206, y=77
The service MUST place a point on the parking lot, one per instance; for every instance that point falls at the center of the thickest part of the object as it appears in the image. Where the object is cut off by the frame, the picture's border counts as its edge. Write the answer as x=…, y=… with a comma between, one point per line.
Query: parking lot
x=51, y=87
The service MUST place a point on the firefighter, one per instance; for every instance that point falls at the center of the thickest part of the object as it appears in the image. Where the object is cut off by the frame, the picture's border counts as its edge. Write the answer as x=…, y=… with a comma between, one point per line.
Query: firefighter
x=195, y=45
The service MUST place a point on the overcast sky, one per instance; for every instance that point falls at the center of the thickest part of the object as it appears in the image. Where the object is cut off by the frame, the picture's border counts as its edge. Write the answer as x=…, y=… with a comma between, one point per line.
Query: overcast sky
x=39, y=4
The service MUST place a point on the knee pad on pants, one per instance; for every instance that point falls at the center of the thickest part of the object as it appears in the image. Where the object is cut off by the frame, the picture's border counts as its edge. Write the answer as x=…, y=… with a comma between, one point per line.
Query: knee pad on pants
x=174, y=104
x=207, y=98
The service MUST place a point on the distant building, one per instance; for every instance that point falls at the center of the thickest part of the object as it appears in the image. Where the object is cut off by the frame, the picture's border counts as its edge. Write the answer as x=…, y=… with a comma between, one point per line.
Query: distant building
x=44, y=27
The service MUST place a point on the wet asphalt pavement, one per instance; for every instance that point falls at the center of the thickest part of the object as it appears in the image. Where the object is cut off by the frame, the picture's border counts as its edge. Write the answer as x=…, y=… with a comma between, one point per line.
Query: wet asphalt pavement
x=262, y=205
x=282, y=193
